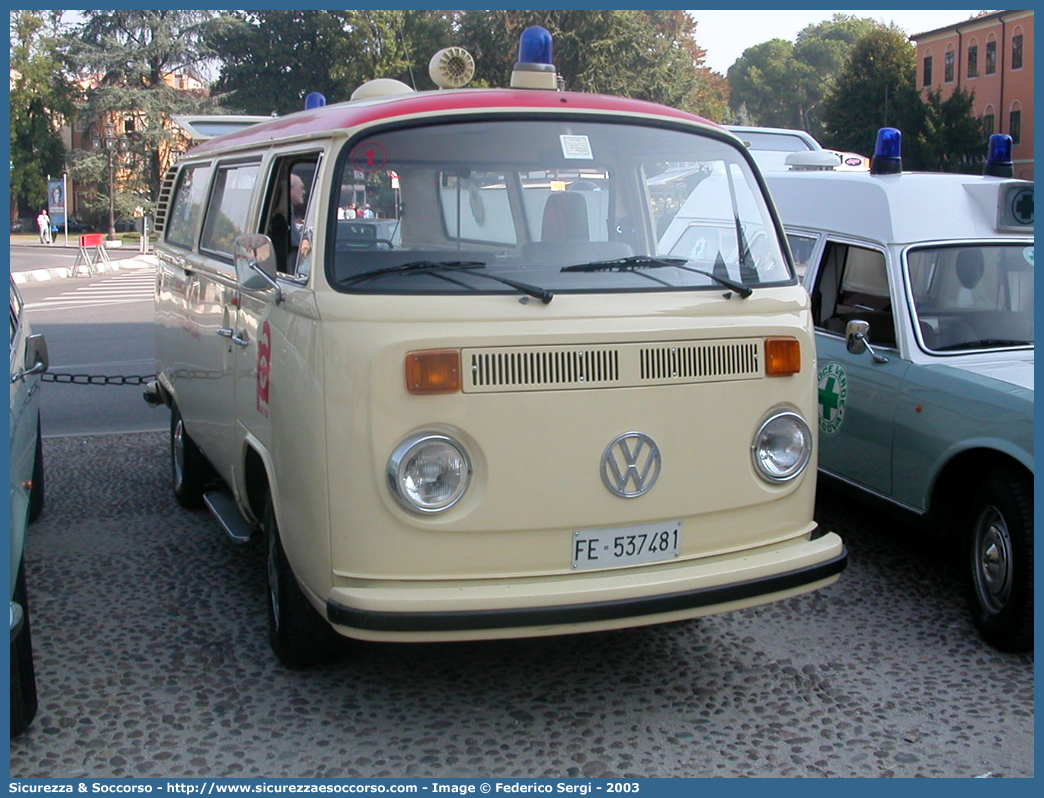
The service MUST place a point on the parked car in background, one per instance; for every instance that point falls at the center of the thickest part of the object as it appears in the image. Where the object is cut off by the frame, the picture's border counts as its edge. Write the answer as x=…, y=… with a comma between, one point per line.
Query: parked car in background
x=772, y=148
x=76, y=225
x=126, y=225
x=369, y=233
x=28, y=361
x=922, y=302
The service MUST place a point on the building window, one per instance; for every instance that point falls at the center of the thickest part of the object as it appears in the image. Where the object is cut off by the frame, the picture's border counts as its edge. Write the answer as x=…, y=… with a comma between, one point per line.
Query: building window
x=989, y=124
x=973, y=61
x=927, y=70
x=991, y=58
x=1015, y=127
x=948, y=67
x=1016, y=51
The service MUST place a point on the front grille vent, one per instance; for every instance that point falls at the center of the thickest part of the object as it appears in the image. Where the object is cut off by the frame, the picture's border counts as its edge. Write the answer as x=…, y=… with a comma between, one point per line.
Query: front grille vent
x=700, y=361
x=545, y=368
x=630, y=365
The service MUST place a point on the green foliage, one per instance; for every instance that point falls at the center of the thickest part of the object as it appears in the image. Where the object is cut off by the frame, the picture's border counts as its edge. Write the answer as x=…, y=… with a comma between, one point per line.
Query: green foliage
x=783, y=84
x=874, y=90
x=646, y=54
x=331, y=52
x=126, y=57
x=41, y=99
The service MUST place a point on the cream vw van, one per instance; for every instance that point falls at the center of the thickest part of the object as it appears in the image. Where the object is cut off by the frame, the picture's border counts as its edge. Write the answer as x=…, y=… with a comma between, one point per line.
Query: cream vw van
x=427, y=345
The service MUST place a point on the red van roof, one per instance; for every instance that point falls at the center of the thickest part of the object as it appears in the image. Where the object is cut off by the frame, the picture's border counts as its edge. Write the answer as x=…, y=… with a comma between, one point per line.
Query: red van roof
x=341, y=116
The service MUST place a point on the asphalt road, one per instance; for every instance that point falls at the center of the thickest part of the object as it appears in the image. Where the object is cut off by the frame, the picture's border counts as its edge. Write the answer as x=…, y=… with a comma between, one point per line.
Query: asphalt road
x=100, y=327
x=152, y=660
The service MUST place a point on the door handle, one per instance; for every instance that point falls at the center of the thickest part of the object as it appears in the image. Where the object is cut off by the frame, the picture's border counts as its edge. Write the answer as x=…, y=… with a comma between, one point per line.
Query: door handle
x=236, y=338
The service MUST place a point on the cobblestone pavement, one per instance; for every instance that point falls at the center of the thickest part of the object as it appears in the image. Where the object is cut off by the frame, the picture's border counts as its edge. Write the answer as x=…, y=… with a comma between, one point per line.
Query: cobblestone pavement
x=152, y=661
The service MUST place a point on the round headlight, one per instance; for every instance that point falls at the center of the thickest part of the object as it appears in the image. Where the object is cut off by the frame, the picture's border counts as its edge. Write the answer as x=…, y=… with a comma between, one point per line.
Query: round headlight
x=429, y=473
x=782, y=447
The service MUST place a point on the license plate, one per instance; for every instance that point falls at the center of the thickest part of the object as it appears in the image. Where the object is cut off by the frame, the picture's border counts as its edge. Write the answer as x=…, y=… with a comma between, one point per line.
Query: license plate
x=629, y=545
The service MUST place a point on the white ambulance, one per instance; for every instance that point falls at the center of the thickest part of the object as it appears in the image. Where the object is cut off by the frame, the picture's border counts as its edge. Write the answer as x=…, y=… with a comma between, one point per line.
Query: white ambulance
x=426, y=343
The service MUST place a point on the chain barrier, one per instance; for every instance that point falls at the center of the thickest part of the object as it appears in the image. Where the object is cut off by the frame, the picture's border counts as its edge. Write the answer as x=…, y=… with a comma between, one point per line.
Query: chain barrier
x=88, y=379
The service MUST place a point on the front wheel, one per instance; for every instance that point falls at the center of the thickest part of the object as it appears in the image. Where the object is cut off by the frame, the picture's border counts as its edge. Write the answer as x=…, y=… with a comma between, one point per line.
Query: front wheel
x=999, y=546
x=298, y=634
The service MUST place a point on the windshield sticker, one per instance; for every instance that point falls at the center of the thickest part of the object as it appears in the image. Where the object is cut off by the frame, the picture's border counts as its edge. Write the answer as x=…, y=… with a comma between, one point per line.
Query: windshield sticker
x=576, y=147
x=369, y=157
x=1027, y=253
x=833, y=396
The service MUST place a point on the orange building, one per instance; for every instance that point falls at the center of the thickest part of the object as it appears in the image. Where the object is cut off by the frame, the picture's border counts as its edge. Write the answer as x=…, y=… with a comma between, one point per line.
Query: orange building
x=992, y=56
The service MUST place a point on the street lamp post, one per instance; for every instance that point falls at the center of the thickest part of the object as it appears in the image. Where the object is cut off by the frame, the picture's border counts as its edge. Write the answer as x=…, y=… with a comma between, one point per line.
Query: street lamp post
x=113, y=144
x=110, y=147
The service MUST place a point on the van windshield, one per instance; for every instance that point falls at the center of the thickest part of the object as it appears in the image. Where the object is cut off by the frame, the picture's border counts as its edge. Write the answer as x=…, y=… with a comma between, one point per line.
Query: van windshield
x=976, y=296
x=480, y=206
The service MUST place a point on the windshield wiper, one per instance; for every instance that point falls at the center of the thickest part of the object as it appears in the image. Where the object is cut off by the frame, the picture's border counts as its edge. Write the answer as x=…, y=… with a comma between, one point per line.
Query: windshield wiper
x=635, y=262
x=440, y=268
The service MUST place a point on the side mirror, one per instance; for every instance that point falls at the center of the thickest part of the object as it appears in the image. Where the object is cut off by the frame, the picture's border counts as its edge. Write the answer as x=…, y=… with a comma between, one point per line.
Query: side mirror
x=256, y=264
x=856, y=332
x=857, y=340
x=36, y=358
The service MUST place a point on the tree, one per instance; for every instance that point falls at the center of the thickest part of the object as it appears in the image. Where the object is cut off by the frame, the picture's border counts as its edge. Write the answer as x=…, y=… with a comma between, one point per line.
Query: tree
x=649, y=55
x=947, y=137
x=783, y=84
x=330, y=52
x=127, y=60
x=41, y=100
x=877, y=88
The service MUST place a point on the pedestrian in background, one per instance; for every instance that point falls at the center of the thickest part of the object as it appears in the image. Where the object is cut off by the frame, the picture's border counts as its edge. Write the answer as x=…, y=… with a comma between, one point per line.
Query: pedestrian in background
x=43, y=221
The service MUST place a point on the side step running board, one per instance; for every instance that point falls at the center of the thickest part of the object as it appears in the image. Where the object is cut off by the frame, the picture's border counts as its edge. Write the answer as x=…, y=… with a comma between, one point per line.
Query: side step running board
x=223, y=506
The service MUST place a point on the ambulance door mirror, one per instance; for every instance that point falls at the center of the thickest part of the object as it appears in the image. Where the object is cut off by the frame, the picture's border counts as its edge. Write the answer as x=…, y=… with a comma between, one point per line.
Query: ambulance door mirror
x=256, y=264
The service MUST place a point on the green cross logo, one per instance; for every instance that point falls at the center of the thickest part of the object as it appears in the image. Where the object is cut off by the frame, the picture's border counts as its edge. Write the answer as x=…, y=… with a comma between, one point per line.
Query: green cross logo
x=833, y=395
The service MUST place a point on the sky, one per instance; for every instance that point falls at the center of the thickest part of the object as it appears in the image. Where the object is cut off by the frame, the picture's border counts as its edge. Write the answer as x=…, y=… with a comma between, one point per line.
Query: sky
x=726, y=34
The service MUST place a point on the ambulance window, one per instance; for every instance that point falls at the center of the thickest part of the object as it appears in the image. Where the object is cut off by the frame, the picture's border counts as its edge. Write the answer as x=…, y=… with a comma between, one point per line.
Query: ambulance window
x=475, y=207
x=801, y=247
x=188, y=203
x=566, y=204
x=289, y=215
x=852, y=283
x=228, y=208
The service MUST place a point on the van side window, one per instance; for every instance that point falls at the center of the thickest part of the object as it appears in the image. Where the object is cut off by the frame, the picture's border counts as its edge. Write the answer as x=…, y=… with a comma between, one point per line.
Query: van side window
x=853, y=284
x=187, y=206
x=228, y=208
x=289, y=214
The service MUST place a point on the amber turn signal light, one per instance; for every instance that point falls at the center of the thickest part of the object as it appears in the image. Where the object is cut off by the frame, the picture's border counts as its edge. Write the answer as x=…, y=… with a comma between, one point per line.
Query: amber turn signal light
x=782, y=356
x=437, y=371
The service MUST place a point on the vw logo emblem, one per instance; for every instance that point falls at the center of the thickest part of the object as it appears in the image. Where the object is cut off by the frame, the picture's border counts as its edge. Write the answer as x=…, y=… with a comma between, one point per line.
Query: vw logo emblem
x=631, y=464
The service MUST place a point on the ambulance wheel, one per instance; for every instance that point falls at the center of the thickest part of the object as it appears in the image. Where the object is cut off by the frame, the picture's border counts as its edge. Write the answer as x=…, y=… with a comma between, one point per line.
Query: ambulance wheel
x=189, y=467
x=299, y=636
x=23, y=674
x=36, y=493
x=1000, y=560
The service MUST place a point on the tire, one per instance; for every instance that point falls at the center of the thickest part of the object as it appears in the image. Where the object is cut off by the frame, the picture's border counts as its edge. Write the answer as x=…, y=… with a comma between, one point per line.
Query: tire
x=36, y=493
x=189, y=468
x=299, y=636
x=23, y=674
x=999, y=549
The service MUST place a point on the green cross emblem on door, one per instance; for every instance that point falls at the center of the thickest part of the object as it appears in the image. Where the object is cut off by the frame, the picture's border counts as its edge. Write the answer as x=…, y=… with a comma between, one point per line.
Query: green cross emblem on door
x=833, y=396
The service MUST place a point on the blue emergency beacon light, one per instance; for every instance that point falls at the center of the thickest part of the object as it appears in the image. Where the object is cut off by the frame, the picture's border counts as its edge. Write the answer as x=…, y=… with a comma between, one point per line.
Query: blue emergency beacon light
x=535, y=68
x=887, y=158
x=314, y=100
x=998, y=161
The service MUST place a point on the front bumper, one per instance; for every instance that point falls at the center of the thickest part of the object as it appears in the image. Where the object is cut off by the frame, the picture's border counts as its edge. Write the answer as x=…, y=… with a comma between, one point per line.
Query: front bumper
x=589, y=602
